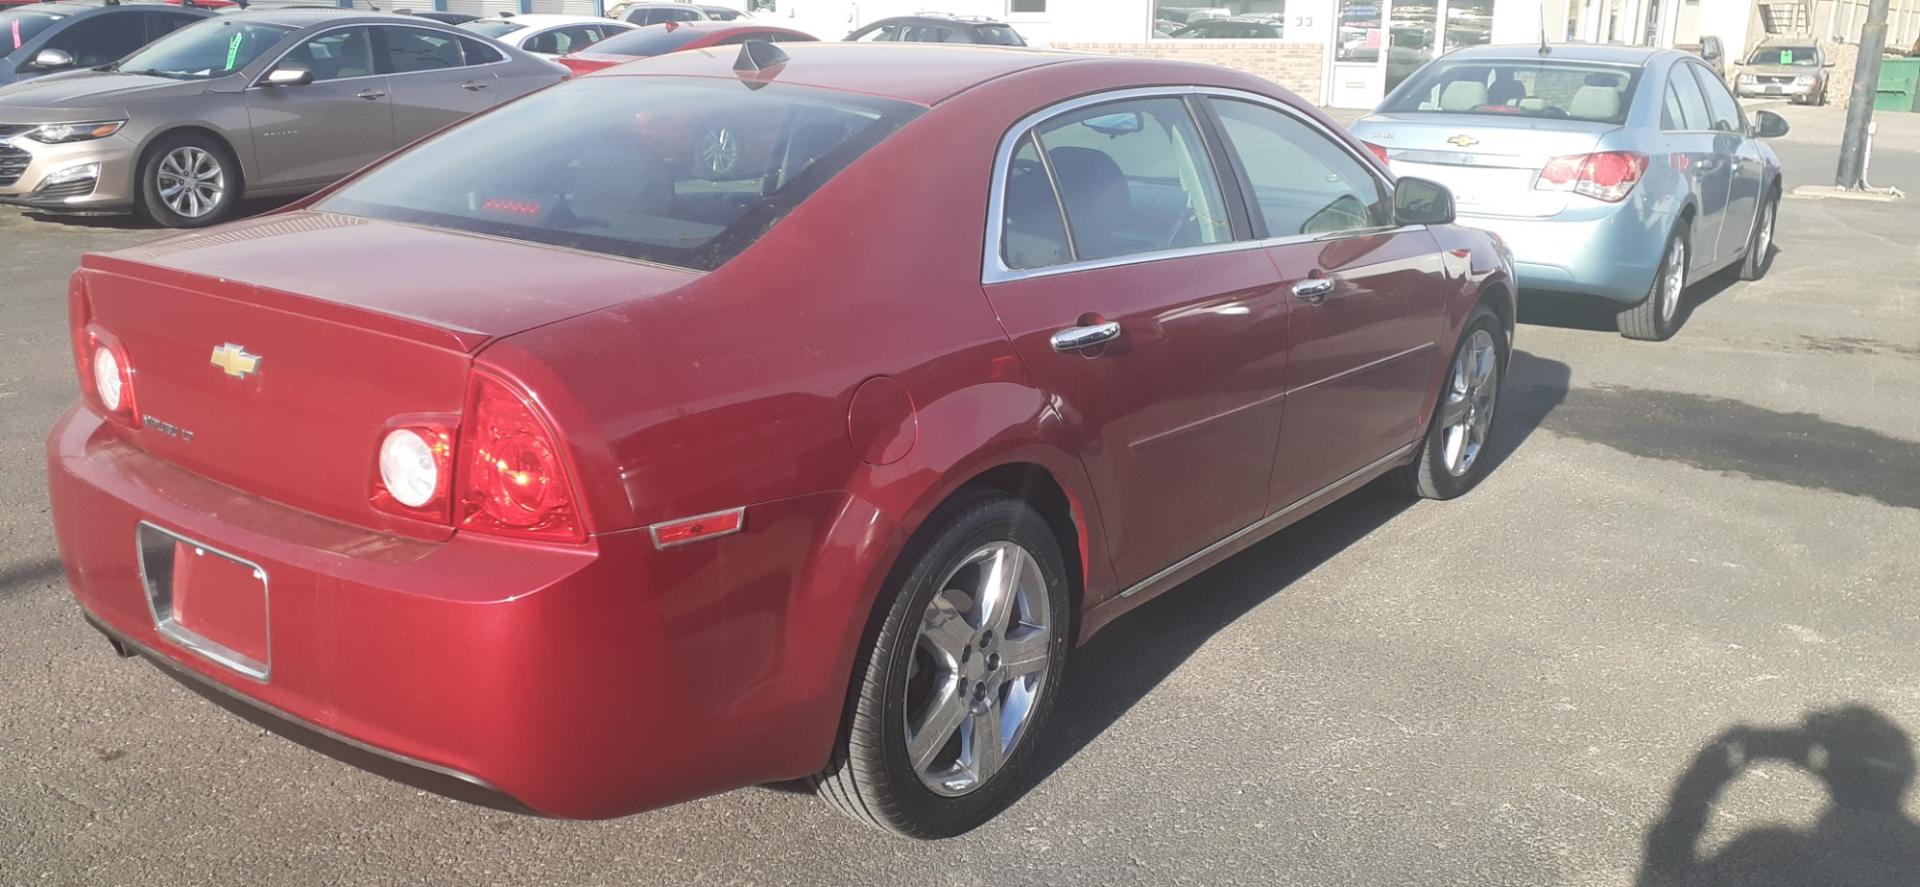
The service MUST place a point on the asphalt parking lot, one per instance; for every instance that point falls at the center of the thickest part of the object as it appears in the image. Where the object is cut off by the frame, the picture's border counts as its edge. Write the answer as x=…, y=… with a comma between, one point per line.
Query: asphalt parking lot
x=1517, y=688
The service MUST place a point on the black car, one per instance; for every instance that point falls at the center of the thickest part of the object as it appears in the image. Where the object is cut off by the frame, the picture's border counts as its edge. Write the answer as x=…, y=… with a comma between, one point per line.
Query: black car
x=1231, y=29
x=938, y=29
x=45, y=37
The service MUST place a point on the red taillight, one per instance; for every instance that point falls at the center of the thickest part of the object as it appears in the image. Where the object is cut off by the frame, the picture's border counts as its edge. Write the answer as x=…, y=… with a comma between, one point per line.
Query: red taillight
x=107, y=376
x=512, y=474
x=1608, y=175
x=1379, y=151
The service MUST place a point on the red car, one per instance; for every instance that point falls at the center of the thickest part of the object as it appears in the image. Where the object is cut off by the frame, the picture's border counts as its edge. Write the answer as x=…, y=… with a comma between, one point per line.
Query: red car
x=668, y=37
x=719, y=421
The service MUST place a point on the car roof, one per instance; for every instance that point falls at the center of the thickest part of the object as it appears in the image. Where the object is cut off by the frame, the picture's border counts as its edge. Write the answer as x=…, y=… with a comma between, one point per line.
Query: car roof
x=933, y=18
x=545, y=19
x=308, y=16
x=1566, y=52
x=920, y=73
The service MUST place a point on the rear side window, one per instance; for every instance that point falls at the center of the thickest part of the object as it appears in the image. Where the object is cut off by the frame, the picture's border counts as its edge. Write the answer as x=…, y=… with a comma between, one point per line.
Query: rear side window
x=1302, y=182
x=479, y=52
x=1518, y=87
x=1033, y=231
x=1134, y=178
x=415, y=49
x=685, y=172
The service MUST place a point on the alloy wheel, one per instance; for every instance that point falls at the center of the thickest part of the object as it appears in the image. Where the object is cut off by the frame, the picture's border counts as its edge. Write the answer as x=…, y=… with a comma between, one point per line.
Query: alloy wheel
x=1764, y=240
x=978, y=668
x=1675, y=281
x=191, y=181
x=1467, y=413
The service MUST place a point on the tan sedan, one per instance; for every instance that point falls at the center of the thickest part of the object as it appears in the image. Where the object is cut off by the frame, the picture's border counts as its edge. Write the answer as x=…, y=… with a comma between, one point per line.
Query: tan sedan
x=250, y=104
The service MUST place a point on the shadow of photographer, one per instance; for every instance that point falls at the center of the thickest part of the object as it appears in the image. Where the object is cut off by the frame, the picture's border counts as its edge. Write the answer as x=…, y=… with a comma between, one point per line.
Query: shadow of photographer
x=1864, y=838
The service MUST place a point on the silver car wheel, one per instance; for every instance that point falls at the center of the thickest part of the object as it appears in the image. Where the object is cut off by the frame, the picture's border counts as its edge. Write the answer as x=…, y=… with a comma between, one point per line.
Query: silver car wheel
x=191, y=181
x=1764, y=240
x=1467, y=413
x=978, y=668
x=719, y=152
x=1675, y=282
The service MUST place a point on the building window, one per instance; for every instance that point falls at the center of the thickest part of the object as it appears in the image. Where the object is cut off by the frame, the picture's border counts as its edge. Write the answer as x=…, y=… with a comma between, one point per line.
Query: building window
x=1220, y=19
x=1025, y=7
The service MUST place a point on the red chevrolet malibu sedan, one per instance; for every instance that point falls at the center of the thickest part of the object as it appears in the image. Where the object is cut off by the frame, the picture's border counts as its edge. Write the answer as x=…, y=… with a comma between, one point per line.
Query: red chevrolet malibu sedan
x=710, y=422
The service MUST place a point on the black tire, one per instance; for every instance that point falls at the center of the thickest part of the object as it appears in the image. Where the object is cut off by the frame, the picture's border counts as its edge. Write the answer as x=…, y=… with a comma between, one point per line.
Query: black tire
x=1648, y=321
x=1760, y=240
x=869, y=777
x=1429, y=475
x=154, y=205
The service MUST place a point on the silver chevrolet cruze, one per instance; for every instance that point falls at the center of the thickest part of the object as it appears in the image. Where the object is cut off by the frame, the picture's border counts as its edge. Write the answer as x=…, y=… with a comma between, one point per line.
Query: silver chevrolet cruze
x=250, y=104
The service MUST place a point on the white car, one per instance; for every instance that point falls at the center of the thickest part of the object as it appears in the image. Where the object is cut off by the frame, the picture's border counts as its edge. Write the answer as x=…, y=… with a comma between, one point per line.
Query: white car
x=544, y=34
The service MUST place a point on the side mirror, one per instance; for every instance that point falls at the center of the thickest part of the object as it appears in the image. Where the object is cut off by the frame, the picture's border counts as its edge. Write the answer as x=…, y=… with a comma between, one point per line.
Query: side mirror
x=289, y=75
x=1768, y=125
x=1421, y=202
x=52, y=59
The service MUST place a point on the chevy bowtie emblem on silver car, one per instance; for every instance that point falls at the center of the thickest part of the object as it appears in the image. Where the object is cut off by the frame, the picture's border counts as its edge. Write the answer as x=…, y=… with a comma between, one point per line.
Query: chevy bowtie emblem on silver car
x=1463, y=140
x=235, y=361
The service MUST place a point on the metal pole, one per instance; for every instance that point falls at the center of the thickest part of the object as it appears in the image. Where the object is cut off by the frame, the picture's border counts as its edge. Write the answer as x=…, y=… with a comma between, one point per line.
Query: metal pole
x=1852, y=172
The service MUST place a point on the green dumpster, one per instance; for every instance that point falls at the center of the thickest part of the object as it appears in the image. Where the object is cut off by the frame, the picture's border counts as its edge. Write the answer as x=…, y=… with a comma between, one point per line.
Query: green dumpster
x=1899, y=87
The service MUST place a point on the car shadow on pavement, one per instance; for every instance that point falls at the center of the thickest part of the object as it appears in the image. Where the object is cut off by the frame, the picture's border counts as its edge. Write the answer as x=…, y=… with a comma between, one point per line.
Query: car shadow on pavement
x=1597, y=315
x=30, y=573
x=1863, y=838
x=1118, y=667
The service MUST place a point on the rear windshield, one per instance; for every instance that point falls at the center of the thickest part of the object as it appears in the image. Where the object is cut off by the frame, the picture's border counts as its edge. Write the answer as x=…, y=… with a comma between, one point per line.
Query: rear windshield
x=1803, y=56
x=648, y=41
x=997, y=35
x=1520, y=88
x=493, y=27
x=17, y=26
x=681, y=172
x=208, y=48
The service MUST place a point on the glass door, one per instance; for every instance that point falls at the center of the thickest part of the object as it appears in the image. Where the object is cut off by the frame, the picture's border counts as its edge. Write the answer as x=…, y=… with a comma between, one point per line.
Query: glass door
x=1382, y=42
x=1358, y=64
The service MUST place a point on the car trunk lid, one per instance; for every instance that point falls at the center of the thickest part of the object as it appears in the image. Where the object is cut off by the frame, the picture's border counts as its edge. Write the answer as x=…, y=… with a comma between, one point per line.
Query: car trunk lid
x=273, y=355
x=1488, y=161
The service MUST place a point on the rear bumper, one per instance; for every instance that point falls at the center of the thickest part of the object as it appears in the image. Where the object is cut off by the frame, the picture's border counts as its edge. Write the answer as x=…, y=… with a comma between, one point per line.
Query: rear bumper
x=1607, y=251
x=571, y=681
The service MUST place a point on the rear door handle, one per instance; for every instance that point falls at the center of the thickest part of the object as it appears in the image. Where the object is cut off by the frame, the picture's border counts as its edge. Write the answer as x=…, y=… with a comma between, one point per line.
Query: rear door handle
x=473, y=86
x=1313, y=290
x=1080, y=338
x=371, y=94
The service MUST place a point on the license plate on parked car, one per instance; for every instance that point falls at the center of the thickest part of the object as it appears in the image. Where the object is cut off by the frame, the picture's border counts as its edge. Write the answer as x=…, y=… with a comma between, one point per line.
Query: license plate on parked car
x=210, y=602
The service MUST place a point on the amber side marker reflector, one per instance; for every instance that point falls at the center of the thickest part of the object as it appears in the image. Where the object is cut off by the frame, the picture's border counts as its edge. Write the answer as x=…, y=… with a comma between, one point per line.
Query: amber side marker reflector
x=697, y=528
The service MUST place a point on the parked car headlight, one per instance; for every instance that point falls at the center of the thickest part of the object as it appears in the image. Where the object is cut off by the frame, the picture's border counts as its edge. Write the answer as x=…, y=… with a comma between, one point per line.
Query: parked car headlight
x=59, y=133
x=1804, y=80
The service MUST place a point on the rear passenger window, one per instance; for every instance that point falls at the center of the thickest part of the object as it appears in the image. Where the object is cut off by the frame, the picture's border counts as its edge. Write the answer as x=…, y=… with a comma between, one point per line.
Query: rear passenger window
x=1693, y=105
x=1302, y=182
x=1033, y=234
x=1135, y=178
x=479, y=52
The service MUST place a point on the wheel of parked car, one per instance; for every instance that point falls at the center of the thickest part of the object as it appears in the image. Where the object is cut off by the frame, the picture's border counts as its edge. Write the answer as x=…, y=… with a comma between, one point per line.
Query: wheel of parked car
x=960, y=675
x=188, y=180
x=1453, y=457
x=1657, y=317
x=1760, y=244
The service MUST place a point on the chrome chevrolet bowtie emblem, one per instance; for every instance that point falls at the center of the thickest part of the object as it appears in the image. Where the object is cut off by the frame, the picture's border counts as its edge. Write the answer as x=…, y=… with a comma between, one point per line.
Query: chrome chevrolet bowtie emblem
x=1464, y=141
x=235, y=361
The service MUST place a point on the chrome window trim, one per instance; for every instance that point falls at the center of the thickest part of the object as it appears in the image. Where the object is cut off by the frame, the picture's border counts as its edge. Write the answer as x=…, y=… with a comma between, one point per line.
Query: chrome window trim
x=994, y=268
x=259, y=80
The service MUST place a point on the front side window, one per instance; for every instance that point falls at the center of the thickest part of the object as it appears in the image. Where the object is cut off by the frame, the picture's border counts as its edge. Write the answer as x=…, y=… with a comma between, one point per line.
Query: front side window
x=212, y=47
x=687, y=172
x=336, y=55
x=880, y=34
x=997, y=35
x=417, y=49
x=1302, y=182
x=101, y=39
x=1724, y=111
x=1693, y=105
x=1518, y=87
x=1134, y=178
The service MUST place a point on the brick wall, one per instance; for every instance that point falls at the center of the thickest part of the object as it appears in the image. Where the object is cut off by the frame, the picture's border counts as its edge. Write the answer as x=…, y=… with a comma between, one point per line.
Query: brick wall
x=1296, y=66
